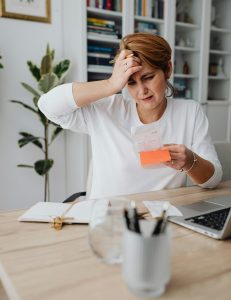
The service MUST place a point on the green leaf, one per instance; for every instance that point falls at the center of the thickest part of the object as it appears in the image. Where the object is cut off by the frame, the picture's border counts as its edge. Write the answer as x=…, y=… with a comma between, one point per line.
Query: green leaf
x=48, y=51
x=61, y=68
x=47, y=82
x=29, y=138
x=1, y=66
x=43, y=166
x=30, y=89
x=57, y=130
x=25, y=166
x=46, y=65
x=42, y=118
x=25, y=105
x=34, y=70
x=35, y=100
x=52, y=53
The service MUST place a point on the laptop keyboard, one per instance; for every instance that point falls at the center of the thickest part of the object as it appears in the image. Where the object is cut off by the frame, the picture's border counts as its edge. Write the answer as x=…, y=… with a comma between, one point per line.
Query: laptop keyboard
x=214, y=220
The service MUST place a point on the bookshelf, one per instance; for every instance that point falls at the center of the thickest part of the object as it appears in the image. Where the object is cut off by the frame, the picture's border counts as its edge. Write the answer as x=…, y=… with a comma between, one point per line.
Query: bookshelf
x=187, y=56
x=219, y=68
x=104, y=31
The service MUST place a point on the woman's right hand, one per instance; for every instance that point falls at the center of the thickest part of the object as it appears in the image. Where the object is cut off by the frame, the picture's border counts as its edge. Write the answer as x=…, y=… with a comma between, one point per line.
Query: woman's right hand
x=126, y=64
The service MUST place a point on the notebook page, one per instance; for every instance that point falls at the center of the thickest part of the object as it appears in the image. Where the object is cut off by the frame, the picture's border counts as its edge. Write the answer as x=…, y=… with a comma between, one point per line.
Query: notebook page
x=47, y=211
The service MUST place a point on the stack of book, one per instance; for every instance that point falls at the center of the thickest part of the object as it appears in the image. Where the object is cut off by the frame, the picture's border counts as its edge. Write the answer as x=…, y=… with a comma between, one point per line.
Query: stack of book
x=102, y=28
x=150, y=8
x=100, y=54
x=141, y=26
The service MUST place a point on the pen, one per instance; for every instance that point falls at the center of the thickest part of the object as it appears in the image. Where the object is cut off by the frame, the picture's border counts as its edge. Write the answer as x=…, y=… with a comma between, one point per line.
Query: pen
x=164, y=224
x=162, y=221
x=127, y=218
x=134, y=220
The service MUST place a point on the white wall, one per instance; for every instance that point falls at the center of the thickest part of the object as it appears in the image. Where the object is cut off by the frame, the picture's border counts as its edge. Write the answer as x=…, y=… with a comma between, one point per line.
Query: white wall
x=21, y=41
x=75, y=48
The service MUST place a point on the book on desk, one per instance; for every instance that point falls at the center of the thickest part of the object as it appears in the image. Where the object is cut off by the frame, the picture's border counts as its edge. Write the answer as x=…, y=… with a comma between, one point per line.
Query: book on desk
x=75, y=212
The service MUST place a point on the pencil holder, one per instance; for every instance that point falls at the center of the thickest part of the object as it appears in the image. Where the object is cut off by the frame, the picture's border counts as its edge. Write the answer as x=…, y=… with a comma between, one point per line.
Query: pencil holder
x=146, y=260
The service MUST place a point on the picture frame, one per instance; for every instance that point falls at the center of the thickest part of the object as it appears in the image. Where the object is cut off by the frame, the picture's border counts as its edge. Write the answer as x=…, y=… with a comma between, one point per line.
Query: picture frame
x=30, y=10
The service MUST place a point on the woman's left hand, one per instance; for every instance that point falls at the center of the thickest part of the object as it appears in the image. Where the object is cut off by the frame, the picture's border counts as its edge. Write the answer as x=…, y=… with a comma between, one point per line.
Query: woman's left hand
x=181, y=156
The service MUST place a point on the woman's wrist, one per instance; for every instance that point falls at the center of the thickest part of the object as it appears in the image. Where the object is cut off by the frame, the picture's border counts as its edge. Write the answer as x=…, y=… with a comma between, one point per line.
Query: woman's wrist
x=187, y=170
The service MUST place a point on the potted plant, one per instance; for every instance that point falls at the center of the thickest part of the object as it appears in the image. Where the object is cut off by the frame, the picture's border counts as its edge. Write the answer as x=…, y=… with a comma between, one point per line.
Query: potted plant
x=48, y=75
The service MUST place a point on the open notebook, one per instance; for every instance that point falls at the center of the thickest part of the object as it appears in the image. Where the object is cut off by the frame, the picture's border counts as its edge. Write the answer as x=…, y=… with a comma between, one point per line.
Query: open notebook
x=78, y=212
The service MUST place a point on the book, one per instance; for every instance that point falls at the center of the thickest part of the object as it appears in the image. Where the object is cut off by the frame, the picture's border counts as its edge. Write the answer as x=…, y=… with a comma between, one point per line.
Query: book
x=78, y=212
x=99, y=55
x=97, y=21
x=103, y=49
x=98, y=61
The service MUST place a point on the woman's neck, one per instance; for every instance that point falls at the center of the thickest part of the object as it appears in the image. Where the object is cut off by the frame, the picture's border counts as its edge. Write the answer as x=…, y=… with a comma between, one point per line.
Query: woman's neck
x=149, y=116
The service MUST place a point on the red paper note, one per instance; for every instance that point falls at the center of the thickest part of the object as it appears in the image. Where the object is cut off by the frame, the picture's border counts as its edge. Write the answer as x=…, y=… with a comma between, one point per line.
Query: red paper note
x=154, y=157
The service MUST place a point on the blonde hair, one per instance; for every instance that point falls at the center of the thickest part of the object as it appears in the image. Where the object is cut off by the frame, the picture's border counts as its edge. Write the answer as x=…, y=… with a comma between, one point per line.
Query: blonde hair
x=151, y=49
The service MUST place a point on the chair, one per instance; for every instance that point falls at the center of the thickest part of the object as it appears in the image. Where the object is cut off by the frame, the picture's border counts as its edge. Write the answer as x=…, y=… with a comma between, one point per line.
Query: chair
x=88, y=187
x=224, y=154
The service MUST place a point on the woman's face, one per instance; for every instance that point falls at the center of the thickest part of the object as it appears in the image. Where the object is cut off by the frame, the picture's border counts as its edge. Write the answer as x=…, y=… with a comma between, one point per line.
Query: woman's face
x=147, y=87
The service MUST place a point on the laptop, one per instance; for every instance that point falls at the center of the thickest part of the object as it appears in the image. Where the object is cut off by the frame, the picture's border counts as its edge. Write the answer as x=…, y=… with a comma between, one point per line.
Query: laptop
x=211, y=217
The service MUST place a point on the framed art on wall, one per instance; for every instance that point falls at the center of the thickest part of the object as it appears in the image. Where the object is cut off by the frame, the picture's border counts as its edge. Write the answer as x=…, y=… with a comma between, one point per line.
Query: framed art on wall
x=31, y=10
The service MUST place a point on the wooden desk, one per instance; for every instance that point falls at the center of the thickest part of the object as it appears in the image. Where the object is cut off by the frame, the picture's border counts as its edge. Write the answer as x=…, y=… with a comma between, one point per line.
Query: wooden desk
x=37, y=262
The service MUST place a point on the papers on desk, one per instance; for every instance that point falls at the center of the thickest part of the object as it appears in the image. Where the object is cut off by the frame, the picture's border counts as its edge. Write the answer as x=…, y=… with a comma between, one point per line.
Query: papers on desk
x=79, y=212
x=156, y=207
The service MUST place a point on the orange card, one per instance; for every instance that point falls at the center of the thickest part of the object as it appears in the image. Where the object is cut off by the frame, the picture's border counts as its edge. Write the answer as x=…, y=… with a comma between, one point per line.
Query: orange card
x=154, y=157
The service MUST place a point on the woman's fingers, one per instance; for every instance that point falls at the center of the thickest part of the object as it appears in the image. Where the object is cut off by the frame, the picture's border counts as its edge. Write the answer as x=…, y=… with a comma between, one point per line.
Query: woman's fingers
x=125, y=65
x=180, y=155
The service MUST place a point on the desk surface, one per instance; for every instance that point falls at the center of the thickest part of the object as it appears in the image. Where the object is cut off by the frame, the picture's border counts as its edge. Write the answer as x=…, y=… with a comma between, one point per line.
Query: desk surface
x=37, y=262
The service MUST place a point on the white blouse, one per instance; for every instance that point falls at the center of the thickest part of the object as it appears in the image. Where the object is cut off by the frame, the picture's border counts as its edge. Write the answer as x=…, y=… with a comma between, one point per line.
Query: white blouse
x=116, y=166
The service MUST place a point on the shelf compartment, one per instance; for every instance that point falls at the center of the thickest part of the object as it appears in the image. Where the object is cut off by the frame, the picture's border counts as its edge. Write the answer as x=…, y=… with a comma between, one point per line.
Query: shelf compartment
x=104, y=13
x=218, y=78
x=187, y=26
x=102, y=39
x=187, y=76
x=99, y=69
x=220, y=30
x=219, y=52
x=218, y=90
x=149, y=20
x=186, y=49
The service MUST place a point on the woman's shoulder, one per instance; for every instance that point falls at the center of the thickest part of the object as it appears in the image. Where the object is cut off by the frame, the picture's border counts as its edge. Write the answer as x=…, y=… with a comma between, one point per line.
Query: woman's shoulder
x=184, y=105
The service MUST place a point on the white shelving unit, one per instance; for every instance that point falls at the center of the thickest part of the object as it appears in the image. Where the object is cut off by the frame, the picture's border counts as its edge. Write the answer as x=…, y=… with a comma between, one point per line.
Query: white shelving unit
x=219, y=68
x=187, y=56
x=105, y=43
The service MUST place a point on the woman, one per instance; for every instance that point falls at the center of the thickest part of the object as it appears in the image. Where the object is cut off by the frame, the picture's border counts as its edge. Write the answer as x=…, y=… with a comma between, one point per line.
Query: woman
x=143, y=65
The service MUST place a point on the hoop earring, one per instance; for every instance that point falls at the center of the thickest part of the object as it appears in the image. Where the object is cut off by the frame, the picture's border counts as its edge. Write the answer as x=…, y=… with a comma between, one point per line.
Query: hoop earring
x=170, y=91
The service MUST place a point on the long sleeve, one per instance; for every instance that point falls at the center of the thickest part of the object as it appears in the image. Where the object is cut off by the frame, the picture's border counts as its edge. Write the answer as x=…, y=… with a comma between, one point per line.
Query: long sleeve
x=58, y=105
x=205, y=148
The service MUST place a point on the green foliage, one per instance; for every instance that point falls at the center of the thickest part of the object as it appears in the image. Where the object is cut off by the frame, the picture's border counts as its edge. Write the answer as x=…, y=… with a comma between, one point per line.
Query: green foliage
x=35, y=71
x=47, y=82
x=48, y=75
x=43, y=166
x=29, y=138
x=1, y=66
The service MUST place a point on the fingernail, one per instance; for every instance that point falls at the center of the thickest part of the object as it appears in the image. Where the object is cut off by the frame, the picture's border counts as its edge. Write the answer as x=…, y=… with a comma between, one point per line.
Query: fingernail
x=129, y=55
